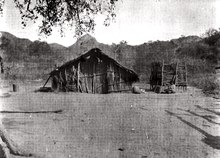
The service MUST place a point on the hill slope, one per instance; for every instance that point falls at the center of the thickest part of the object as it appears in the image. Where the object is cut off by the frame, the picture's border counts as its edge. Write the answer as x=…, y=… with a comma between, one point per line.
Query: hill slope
x=25, y=59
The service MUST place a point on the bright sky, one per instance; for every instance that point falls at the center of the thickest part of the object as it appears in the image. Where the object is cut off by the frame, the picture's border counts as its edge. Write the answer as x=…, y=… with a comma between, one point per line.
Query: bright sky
x=138, y=21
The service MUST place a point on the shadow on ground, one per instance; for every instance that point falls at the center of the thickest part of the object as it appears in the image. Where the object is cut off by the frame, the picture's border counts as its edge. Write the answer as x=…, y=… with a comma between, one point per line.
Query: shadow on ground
x=212, y=141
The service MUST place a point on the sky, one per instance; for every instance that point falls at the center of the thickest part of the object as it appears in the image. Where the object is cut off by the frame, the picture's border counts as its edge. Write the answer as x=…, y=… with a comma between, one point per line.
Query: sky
x=137, y=22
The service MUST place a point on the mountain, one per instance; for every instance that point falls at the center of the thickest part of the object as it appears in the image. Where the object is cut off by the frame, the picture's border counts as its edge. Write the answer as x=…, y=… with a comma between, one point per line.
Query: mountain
x=11, y=46
x=87, y=42
x=25, y=59
x=82, y=45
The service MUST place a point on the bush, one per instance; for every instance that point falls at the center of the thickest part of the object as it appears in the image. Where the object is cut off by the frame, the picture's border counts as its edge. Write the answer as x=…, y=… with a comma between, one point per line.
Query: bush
x=207, y=82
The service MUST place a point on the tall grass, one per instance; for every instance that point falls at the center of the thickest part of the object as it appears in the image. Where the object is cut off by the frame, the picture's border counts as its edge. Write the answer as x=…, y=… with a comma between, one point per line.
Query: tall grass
x=207, y=82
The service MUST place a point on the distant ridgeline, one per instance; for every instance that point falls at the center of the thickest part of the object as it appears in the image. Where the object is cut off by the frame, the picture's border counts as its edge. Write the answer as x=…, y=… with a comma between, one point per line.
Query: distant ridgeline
x=25, y=59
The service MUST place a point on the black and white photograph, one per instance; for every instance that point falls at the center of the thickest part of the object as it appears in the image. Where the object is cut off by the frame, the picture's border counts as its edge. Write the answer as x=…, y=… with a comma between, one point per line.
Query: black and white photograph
x=109, y=78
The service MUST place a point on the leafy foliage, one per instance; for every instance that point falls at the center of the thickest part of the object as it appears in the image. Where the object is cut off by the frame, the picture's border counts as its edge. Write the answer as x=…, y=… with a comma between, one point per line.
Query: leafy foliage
x=212, y=36
x=4, y=42
x=1, y=5
x=38, y=48
x=61, y=13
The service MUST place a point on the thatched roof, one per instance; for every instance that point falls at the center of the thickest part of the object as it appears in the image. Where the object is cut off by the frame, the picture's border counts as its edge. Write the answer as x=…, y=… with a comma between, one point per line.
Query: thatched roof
x=97, y=52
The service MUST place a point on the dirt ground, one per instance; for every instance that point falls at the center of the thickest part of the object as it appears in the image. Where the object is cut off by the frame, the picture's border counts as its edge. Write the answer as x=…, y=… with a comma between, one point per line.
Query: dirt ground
x=180, y=125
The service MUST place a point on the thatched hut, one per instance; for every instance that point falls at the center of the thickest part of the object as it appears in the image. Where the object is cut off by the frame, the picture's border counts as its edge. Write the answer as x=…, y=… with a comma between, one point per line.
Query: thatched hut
x=93, y=72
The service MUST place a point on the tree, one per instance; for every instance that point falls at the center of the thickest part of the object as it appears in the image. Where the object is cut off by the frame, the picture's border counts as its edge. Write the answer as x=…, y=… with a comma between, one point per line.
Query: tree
x=78, y=13
x=212, y=36
x=123, y=43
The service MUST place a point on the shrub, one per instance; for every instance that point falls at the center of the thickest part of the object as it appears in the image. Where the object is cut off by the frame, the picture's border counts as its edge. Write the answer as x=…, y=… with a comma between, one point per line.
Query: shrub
x=207, y=82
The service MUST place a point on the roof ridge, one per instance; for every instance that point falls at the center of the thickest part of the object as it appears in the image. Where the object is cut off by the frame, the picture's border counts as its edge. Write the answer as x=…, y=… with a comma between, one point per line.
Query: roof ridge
x=97, y=50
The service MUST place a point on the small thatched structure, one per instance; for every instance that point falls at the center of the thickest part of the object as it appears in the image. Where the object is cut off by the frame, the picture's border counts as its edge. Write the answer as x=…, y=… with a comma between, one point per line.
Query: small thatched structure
x=93, y=72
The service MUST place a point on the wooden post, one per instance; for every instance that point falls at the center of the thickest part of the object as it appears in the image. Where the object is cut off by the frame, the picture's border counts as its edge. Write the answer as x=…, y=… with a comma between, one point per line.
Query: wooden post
x=92, y=82
x=93, y=79
x=109, y=76
x=65, y=80
x=86, y=84
x=119, y=80
x=176, y=75
x=78, y=71
x=112, y=77
x=162, y=76
x=186, y=75
x=60, y=81
x=65, y=73
x=46, y=81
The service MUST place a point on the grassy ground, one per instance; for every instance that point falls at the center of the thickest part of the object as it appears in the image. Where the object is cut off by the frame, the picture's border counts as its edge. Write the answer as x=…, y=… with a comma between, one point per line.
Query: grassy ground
x=113, y=125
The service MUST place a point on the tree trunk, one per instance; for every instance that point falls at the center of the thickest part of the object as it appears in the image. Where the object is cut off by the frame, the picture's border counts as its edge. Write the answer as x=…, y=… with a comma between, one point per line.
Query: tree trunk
x=10, y=145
